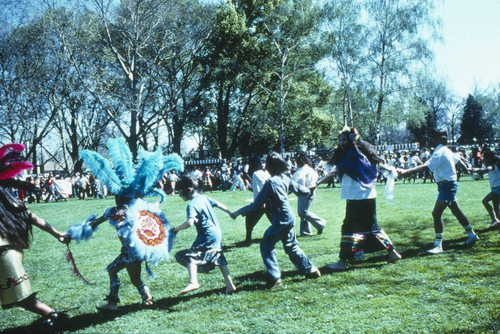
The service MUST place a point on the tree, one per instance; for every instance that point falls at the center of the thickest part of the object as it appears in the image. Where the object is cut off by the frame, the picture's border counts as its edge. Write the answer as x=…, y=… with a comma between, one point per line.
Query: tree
x=429, y=108
x=474, y=126
x=490, y=100
x=231, y=94
x=396, y=46
x=178, y=70
x=128, y=32
x=345, y=38
x=287, y=29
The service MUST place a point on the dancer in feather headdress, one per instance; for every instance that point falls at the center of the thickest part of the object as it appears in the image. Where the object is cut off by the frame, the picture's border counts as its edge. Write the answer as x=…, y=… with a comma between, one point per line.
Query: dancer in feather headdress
x=141, y=226
x=16, y=222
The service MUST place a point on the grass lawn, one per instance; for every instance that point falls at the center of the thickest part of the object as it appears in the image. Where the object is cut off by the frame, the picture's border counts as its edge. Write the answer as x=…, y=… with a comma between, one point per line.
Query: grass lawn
x=457, y=291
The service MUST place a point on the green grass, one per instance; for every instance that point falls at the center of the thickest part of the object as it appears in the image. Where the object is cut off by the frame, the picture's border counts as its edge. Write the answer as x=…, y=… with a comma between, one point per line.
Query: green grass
x=457, y=291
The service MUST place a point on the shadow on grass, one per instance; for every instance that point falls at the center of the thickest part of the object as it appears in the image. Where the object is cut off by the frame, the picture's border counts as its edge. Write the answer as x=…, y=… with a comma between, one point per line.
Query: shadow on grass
x=254, y=281
x=250, y=282
x=378, y=258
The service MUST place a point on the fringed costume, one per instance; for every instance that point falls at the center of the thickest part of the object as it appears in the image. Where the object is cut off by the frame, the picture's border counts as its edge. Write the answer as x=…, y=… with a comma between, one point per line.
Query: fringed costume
x=357, y=163
x=15, y=231
x=141, y=226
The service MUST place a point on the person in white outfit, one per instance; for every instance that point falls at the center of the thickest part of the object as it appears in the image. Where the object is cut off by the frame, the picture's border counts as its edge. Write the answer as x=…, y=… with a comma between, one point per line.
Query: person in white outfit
x=237, y=179
x=307, y=177
x=442, y=164
x=259, y=176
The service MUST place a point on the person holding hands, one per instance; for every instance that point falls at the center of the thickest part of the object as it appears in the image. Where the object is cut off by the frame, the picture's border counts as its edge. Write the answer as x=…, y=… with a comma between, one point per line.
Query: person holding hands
x=206, y=251
x=442, y=164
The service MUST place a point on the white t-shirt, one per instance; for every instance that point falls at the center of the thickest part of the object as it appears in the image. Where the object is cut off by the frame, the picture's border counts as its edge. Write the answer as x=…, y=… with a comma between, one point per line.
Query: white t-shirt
x=442, y=164
x=305, y=176
x=352, y=190
x=258, y=179
x=494, y=177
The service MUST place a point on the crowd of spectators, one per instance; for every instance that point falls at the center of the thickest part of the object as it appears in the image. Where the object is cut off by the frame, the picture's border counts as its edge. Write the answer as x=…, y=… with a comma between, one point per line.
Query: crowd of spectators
x=226, y=175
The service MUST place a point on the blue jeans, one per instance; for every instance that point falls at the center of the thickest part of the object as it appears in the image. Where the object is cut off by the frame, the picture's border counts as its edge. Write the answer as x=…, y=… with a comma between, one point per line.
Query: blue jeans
x=307, y=217
x=285, y=234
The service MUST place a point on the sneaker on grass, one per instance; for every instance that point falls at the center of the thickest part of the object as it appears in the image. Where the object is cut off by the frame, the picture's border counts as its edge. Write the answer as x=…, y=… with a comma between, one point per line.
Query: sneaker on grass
x=435, y=250
x=471, y=240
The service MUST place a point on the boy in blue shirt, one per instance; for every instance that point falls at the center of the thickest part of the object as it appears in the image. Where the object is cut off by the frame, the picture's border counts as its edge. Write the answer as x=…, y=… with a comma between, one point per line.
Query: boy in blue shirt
x=206, y=251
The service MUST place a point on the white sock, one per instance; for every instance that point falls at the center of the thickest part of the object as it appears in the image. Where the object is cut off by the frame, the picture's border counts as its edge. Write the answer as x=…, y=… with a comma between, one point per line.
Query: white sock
x=438, y=242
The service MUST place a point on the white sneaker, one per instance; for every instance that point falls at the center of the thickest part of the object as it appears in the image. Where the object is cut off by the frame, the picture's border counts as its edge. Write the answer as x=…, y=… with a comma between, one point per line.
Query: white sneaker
x=435, y=250
x=470, y=240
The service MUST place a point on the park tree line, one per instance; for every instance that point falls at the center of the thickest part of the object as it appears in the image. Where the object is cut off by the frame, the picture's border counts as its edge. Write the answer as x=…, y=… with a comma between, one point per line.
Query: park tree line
x=239, y=76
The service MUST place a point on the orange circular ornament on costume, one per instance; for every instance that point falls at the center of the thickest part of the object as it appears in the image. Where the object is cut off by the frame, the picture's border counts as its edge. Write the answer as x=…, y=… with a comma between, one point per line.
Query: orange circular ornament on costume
x=150, y=228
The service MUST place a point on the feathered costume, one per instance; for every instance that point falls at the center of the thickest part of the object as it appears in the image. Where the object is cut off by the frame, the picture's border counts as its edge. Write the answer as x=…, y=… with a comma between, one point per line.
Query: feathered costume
x=15, y=230
x=141, y=226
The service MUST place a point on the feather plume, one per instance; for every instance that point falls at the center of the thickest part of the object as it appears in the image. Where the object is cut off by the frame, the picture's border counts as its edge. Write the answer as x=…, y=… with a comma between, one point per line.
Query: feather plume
x=157, y=192
x=121, y=156
x=13, y=147
x=171, y=162
x=14, y=169
x=148, y=173
x=102, y=170
x=171, y=238
x=82, y=231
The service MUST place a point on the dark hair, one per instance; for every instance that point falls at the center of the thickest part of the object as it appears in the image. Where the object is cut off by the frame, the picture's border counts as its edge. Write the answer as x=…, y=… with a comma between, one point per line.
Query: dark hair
x=275, y=164
x=121, y=201
x=491, y=158
x=15, y=220
x=364, y=147
x=254, y=163
x=188, y=182
x=439, y=136
x=302, y=159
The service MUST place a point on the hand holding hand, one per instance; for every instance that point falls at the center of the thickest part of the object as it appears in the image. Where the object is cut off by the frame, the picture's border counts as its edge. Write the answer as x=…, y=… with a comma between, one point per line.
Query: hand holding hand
x=64, y=238
x=401, y=172
x=233, y=215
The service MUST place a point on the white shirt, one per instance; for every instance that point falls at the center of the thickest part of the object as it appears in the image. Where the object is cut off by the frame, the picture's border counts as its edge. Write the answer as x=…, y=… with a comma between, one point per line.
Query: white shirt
x=258, y=179
x=415, y=161
x=196, y=174
x=350, y=189
x=305, y=176
x=494, y=177
x=442, y=164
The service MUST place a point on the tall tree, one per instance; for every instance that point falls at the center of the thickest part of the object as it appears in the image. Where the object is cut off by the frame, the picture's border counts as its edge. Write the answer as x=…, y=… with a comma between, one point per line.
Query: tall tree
x=430, y=107
x=128, y=32
x=345, y=37
x=231, y=94
x=178, y=70
x=287, y=29
x=474, y=127
x=396, y=46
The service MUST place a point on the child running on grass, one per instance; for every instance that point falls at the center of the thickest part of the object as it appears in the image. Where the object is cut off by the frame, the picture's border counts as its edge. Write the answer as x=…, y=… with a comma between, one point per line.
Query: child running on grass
x=206, y=251
x=492, y=167
x=141, y=226
x=116, y=216
x=274, y=194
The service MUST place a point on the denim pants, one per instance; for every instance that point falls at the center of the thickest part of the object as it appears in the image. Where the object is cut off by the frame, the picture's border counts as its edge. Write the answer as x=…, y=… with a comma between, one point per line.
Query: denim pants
x=285, y=234
x=307, y=217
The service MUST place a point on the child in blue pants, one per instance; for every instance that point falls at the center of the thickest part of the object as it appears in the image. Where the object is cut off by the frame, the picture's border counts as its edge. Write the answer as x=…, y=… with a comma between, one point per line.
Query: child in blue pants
x=274, y=194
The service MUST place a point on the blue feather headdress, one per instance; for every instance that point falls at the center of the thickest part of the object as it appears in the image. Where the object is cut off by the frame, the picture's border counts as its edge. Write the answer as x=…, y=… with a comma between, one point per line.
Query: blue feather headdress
x=126, y=179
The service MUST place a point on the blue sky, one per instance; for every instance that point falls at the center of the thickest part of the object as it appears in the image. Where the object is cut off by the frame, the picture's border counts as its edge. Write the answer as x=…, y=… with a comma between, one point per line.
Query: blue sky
x=470, y=53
